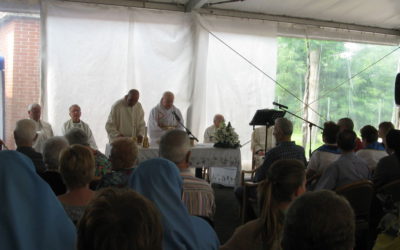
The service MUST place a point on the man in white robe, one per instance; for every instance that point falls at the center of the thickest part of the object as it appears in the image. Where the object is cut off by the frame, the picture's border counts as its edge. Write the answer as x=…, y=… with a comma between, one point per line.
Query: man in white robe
x=126, y=118
x=43, y=129
x=76, y=122
x=258, y=144
x=164, y=117
x=209, y=134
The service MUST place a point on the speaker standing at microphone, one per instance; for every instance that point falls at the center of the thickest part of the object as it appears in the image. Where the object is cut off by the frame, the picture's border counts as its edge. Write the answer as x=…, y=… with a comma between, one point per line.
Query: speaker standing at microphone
x=163, y=117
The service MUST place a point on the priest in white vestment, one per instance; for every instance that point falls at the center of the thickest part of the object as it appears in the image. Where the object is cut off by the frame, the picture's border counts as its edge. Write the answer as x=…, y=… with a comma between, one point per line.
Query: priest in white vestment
x=43, y=129
x=76, y=122
x=258, y=143
x=209, y=134
x=163, y=117
x=126, y=118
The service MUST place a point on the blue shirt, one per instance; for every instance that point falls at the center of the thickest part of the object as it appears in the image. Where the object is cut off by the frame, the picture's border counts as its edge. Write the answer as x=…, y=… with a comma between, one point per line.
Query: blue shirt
x=284, y=150
x=347, y=169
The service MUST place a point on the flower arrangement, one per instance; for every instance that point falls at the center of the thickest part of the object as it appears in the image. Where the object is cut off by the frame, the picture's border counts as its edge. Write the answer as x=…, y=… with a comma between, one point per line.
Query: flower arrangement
x=226, y=137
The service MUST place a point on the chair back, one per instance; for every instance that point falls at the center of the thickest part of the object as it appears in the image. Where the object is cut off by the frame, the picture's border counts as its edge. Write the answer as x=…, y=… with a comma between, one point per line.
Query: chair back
x=359, y=194
x=392, y=190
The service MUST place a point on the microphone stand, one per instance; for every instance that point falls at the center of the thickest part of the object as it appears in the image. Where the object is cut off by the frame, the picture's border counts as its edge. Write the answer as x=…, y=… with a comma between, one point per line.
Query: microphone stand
x=190, y=134
x=310, y=125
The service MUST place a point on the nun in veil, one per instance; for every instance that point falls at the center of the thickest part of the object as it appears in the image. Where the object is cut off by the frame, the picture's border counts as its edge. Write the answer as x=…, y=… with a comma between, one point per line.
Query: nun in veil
x=31, y=217
x=159, y=181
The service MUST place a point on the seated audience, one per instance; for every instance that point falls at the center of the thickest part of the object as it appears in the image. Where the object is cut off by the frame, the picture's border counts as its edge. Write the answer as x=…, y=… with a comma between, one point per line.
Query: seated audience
x=120, y=219
x=258, y=144
x=24, y=136
x=383, y=130
x=78, y=136
x=123, y=158
x=348, y=168
x=285, y=181
x=159, y=180
x=76, y=122
x=319, y=220
x=51, y=155
x=77, y=171
x=197, y=195
x=347, y=124
x=209, y=134
x=31, y=217
x=323, y=156
x=372, y=150
x=388, y=168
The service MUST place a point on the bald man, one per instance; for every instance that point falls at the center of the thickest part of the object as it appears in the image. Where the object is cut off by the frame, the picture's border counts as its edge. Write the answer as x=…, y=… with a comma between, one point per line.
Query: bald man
x=76, y=122
x=209, y=134
x=43, y=129
x=126, y=118
x=164, y=117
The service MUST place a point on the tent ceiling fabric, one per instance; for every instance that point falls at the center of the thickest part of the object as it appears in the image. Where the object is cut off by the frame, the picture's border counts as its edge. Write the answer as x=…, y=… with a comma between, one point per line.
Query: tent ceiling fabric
x=383, y=13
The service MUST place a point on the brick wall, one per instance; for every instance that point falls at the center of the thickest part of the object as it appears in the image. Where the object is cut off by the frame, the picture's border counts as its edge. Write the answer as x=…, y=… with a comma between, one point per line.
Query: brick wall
x=20, y=46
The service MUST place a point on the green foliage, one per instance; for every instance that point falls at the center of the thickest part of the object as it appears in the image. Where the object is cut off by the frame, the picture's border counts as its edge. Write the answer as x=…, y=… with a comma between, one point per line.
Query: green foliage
x=367, y=98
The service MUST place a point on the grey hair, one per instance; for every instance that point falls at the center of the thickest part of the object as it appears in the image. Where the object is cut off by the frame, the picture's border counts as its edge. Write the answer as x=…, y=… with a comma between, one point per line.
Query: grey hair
x=77, y=136
x=33, y=105
x=51, y=151
x=174, y=146
x=284, y=125
x=25, y=131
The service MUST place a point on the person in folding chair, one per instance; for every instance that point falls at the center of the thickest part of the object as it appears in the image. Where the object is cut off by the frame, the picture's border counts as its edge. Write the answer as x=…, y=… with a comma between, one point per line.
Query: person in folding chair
x=285, y=181
x=285, y=149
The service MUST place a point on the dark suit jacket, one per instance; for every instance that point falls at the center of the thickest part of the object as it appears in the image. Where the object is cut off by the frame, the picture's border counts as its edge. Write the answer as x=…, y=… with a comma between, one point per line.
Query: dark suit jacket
x=36, y=158
x=387, y=170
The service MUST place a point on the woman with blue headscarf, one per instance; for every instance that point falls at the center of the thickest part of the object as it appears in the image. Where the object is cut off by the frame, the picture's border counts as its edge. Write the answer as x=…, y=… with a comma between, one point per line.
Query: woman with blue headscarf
x=31, y=217
x=159, y=180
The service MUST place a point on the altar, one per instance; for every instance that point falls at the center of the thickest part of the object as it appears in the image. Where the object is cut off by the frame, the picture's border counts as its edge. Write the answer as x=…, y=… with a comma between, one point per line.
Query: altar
x=224, y=165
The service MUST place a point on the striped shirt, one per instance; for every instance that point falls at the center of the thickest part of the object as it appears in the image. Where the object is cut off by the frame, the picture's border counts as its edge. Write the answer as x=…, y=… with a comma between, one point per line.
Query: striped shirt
x=198, y=196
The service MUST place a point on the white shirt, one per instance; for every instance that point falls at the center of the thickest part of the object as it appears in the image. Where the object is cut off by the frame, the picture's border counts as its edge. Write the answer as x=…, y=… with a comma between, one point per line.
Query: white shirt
x=125, y=120
x=68, y=125
x=161, y=120
x=371, y=156
x=44, y=132
x=322, y=158
x=209, y=134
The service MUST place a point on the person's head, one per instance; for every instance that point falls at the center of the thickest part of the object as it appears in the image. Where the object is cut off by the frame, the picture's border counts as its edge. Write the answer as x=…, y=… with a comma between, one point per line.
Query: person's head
x=218, y=119
x=51, y=151
x=77, y=166
x=132, y=97
x=319, y=220
x=123, y=153
x=77, y=136
x=330, y=132
x=393, y=140
x=369, y=134
x=384, y=128
x=75, y=112
x=346, y=124
x=175, y=146
x=120, y=219
x=25, y=133
x=346, y=140
x=286, y=179
x=34, y=111
x=167, y=100
x=283, y=129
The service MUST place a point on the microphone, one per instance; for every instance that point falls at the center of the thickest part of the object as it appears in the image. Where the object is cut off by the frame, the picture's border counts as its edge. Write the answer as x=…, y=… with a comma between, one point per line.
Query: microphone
x=280, y=105
x=176, y=116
